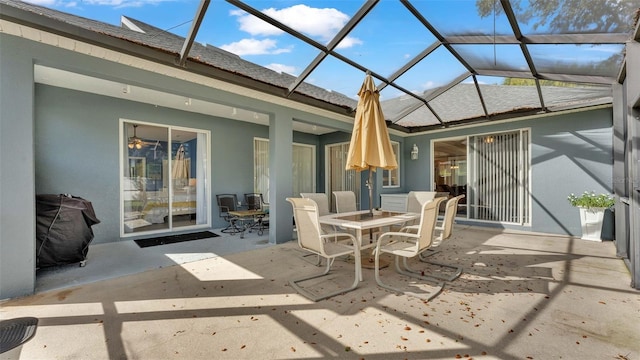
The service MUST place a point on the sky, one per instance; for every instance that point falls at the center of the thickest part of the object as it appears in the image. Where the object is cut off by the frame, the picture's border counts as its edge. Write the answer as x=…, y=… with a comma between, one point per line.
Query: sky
x=384, y=41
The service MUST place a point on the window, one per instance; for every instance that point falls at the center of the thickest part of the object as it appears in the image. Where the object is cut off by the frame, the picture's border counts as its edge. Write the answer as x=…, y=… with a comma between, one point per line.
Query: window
x=164, y=178
x=303, y=168
x=391, y=178
x=492, y=170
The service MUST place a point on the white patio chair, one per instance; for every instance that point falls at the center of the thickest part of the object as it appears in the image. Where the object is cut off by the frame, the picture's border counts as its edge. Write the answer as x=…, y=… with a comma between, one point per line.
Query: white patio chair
x=322, y=200
x=415, y=199
x=345, y=201
x=311, y=238
x=405, y=245
x=443, y=232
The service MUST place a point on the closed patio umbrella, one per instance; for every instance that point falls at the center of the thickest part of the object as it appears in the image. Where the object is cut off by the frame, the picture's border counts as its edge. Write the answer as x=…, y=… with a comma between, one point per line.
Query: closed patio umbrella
x=370, y=146
x=180, y=169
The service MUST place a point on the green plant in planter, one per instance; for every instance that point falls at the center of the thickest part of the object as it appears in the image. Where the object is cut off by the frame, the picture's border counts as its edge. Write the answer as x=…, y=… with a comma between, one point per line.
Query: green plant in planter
x=591, y=200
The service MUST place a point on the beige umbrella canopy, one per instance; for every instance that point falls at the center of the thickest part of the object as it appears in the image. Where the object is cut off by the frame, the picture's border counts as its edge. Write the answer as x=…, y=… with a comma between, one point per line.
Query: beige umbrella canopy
x=370, y=147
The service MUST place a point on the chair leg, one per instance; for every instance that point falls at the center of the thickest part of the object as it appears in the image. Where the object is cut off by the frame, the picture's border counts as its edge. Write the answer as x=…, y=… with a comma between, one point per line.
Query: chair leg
x=425, y=254
x=314, y=297
x=426, y=296
x=318, y=259
x=232, y=228
x=457, y=269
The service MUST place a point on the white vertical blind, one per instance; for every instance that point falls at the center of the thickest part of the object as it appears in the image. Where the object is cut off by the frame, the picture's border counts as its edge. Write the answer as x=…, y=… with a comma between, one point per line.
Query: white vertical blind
x=500, y=177
x=341, y=179
x=261, y=167
x=201, y=174
x=303, y=168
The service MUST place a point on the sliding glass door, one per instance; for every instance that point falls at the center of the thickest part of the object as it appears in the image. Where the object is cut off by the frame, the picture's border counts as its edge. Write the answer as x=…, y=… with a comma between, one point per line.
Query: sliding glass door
x=492, y=170
x=500, y=177
x=164, y=181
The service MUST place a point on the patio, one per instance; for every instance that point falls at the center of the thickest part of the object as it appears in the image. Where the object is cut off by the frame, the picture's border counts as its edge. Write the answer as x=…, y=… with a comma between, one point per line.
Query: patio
x=521, y=296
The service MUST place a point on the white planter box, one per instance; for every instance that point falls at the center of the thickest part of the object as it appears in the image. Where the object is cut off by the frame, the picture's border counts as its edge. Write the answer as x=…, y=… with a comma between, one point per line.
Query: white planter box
x=591, y=221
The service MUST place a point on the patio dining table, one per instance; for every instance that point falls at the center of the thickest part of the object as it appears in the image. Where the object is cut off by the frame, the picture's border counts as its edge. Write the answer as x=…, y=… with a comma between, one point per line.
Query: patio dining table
x=247, y=219
x=361, y=221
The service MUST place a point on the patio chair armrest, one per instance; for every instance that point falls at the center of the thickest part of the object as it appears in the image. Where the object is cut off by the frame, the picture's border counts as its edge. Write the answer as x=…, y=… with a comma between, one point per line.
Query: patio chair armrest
x=335, y=236
x=396, y=234
x=410, y=228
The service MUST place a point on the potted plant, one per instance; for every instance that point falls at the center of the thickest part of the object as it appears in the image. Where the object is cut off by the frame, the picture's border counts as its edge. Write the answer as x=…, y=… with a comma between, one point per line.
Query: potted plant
x=592, y=208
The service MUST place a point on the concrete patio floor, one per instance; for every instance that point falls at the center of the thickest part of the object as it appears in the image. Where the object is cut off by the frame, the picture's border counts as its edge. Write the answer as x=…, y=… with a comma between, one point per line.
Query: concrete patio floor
x=521, y=296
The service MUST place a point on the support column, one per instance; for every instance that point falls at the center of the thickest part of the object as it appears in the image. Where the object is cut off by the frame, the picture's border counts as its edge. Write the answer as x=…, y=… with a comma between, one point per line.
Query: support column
x=17, y=175
x=633, y=132
x=280, y=178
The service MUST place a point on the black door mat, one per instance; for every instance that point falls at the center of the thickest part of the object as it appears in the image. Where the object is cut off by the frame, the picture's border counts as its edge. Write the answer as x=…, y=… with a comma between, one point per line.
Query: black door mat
x=172, y=239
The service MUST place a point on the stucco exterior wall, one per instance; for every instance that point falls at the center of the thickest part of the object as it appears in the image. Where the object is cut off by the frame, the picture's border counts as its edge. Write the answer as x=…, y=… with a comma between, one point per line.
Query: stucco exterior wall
x=76, y=149
x=570, y=153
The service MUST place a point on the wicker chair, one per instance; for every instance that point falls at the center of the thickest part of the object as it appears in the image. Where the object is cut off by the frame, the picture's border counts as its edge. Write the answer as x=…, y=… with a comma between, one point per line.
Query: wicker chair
x=227, y=203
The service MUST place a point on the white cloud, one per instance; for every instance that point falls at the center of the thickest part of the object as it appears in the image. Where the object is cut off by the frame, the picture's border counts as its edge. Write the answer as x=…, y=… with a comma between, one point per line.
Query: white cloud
x=315, y=22
x=254, y=47
x=255, y=26
x=349, y=42
x=282, y=68
x=429, y=85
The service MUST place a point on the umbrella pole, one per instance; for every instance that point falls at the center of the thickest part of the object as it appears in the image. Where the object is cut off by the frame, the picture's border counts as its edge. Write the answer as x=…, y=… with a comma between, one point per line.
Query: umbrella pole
x=370, y=186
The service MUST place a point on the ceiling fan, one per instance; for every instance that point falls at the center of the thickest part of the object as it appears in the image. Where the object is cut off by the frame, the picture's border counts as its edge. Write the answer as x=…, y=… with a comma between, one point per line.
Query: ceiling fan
x=135, y=141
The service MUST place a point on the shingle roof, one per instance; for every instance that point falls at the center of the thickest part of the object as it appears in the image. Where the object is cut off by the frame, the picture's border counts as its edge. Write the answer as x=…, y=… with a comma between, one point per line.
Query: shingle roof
x=459, y=104
x=159, y=39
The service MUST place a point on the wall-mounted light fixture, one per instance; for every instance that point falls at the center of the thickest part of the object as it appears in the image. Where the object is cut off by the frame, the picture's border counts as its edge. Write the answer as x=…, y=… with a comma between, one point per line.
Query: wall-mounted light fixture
x=414, y=152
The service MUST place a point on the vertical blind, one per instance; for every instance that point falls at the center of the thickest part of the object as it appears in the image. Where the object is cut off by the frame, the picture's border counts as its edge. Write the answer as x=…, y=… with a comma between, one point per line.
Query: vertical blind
x=500, y=177
x=303, y=168
x=341, y=179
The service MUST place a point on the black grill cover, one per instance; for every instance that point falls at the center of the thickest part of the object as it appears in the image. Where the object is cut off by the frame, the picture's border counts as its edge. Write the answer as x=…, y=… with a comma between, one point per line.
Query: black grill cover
x=63, y=229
